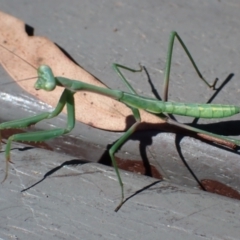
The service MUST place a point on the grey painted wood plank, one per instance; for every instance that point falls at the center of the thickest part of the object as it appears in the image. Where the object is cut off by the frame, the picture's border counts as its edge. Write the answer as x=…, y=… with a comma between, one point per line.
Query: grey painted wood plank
x=78, y=202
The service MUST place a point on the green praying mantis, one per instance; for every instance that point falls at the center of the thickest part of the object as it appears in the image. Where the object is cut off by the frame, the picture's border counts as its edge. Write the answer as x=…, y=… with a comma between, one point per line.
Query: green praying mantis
x=46, y=81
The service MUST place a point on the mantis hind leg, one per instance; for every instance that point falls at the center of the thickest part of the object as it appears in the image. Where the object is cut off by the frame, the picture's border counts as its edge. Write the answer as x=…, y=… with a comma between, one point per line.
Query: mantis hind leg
x=174, y=35
x=220, y=139
x=204, y=134
x=66, y=98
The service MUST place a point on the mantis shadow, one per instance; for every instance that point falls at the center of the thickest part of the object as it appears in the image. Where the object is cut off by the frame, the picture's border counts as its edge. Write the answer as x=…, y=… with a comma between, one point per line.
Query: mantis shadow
x=52, y=171
x=222, y=128
x=137, y=192
x=145, y=140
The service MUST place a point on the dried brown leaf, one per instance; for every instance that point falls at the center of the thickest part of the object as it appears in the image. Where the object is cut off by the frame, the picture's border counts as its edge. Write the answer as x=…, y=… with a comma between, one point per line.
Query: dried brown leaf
x=92, y=109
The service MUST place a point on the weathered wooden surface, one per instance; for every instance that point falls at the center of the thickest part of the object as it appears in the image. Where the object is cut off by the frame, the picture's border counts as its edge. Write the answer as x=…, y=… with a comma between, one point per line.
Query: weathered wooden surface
x=78, y=201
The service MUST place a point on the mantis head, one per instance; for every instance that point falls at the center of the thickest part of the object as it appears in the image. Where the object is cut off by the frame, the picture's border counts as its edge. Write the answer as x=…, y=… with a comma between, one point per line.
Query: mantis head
x=46, y=80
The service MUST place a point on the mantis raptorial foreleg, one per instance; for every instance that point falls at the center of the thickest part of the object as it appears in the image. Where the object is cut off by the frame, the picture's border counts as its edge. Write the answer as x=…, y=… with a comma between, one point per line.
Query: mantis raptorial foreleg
x=40, y=136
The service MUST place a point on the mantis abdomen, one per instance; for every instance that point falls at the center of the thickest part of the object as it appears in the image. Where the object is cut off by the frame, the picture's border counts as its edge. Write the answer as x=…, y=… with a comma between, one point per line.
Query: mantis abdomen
x=185, y=109
x=199, y=110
